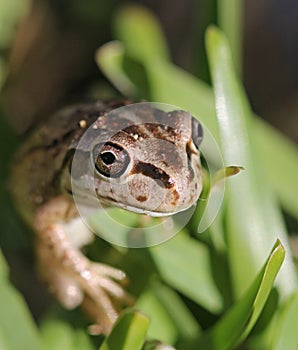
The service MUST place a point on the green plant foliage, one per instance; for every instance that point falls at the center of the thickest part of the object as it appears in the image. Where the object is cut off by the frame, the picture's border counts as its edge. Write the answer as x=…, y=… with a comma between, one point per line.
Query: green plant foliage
x=128, y=333
x=201, y=291
x=110, y=60
x=230, y=15
x=184, y=263
x=170, y=84
x=136, y=22
x=236, y=324
x=162, y=327
x=59, y=335
x=246, y=200
x=284, y=332
x=17, y=328
x=186, y=326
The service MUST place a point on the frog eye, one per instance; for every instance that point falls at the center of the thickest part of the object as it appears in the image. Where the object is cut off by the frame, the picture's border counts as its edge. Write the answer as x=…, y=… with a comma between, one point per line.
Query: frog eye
x=110, y=159
x=197, y=132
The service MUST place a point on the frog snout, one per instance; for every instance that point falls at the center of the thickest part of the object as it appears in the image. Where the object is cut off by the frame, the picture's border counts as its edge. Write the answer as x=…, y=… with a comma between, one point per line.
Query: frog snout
x=157, y=196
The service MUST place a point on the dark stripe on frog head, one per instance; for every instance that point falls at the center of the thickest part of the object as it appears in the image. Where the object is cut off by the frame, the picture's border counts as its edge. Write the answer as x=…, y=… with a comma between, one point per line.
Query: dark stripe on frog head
x=153, y=172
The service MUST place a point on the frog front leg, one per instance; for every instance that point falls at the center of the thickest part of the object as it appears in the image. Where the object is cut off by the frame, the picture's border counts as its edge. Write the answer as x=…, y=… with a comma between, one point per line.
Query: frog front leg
x=72, y=277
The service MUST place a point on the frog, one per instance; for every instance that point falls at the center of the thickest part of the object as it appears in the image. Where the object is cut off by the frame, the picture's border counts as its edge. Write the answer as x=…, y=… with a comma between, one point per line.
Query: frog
x=152, y=159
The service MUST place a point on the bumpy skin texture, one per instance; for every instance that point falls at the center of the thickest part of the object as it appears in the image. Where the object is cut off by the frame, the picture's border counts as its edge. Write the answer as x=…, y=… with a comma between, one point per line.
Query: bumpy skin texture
x=155, y=160
x=40, y=162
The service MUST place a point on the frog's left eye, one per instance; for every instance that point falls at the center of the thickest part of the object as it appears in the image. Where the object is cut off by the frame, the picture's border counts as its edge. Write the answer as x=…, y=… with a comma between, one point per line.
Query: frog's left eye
x=110, y=159
x=197, y=132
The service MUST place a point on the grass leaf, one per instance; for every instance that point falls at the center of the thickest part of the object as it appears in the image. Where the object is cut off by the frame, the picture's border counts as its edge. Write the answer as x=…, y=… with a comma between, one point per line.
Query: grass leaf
x=128, y=333
x=110, y=58
x=57, y=335
x=237, y=322
x=250, y=231
x=17, y=328
x=229, y=14
x=185, y=264
x=285, y=335
x=161, y=325
x=134, y=21
x=171, y=320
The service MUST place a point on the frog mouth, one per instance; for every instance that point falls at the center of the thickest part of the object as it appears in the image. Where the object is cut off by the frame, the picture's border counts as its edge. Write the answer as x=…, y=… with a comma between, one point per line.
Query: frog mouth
x=108, y=201
x=95, y=200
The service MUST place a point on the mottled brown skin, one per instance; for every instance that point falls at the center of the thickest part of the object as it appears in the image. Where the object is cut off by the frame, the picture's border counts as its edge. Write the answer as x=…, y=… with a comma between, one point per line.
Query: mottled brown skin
x=40, y=162
x=153, y=160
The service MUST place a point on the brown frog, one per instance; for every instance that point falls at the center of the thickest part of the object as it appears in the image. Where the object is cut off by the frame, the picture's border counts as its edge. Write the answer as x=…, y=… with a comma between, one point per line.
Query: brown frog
x=150, y=157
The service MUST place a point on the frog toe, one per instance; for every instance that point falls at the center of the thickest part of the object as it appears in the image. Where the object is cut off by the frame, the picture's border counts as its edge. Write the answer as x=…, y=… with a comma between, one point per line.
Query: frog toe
x=69, y=294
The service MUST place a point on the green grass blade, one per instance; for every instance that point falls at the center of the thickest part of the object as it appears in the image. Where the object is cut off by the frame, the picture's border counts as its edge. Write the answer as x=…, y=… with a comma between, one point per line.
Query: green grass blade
x=171, y=320
x=82, y=341
x=185, y=264
x=3, y=342
x=110, y=58
x=16, y=325
x=229, y=19
x=187, y=327
x=285, y=335
x=57, y=335
x=250, y=231
x=280, y=163
x=128, y=333
x=161, y=325
x=134, y=21
x=236, y=324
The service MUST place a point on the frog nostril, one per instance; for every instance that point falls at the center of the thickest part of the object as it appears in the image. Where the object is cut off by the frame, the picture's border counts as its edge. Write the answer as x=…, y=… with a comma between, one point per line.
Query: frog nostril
x=141, y=198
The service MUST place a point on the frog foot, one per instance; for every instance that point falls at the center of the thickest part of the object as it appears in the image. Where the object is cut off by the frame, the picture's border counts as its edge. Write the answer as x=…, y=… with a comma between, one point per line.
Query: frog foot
x=72, y=277
x=104, y=295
